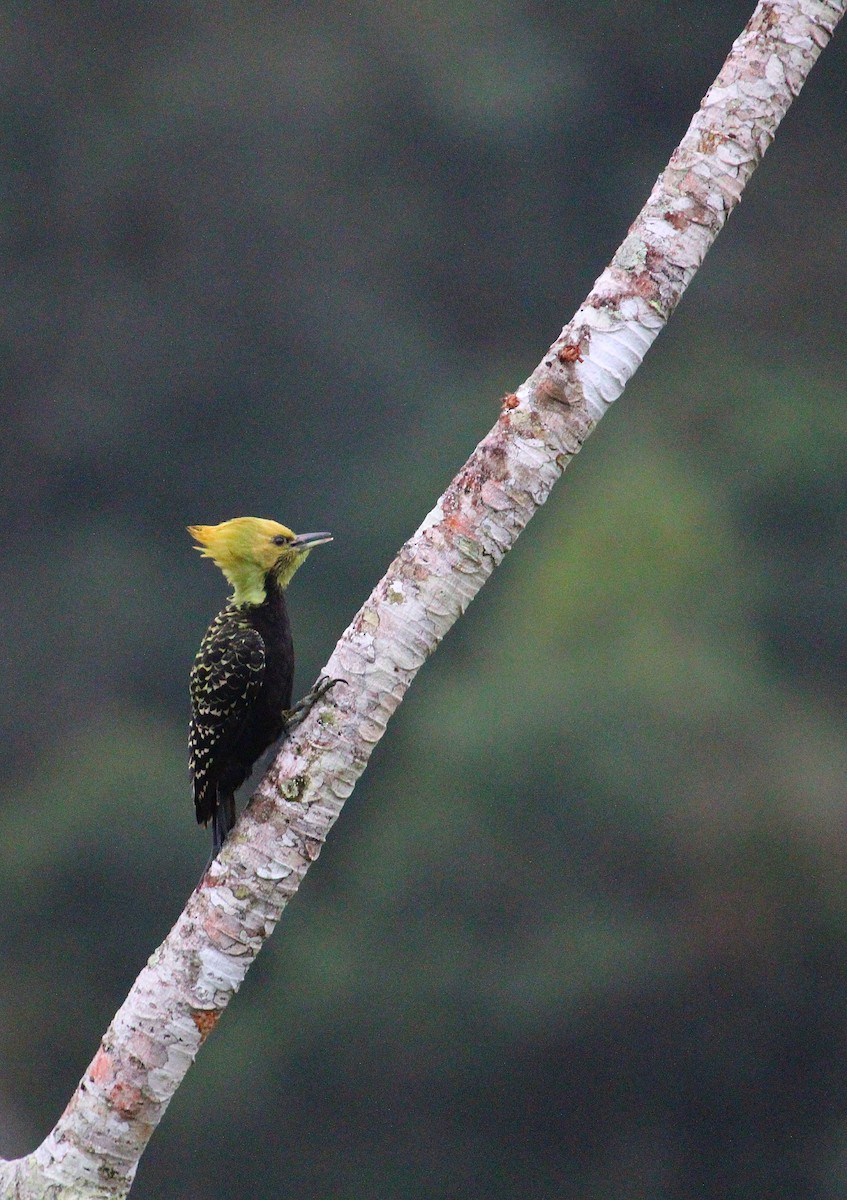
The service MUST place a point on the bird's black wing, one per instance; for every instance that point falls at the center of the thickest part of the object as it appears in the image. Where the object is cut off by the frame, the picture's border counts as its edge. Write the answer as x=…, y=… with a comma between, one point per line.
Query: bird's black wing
x=225, y=681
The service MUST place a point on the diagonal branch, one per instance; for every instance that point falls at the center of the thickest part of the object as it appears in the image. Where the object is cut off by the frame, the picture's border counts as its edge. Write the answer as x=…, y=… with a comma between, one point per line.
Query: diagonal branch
x=178, y=997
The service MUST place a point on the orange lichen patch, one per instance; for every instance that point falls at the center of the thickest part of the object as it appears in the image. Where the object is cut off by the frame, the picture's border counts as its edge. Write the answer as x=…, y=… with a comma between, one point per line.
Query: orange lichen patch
x=126, y=1099
x=205, y=1019
x=457, y=523
x=102, y=1069
x=645, y=285
x=569, y=354
x=509, y=401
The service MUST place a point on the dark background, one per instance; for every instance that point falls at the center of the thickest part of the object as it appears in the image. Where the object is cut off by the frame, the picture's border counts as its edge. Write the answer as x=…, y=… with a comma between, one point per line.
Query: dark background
x=580, y=932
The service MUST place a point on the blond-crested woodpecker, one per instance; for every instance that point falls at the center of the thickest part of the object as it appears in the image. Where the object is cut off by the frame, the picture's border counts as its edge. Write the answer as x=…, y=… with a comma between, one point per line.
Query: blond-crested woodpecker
x=242, y=678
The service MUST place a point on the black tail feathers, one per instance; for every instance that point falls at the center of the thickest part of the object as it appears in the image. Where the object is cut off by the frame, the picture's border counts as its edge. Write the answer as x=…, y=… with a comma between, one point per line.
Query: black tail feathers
x=223, y=820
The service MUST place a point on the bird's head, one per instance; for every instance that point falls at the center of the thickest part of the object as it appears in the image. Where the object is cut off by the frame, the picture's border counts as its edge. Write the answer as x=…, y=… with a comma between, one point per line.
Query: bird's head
x=249, y=550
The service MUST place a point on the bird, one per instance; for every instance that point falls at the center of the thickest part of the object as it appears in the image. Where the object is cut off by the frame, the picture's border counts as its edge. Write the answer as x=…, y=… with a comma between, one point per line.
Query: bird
x=241, y=682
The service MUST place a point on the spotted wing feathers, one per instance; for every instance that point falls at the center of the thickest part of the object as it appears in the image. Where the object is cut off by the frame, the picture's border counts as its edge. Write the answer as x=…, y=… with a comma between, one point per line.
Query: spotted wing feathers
x=225, y=682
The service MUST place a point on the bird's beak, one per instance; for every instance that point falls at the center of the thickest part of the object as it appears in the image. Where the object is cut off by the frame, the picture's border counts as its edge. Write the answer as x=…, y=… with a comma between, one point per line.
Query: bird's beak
x=307, y=541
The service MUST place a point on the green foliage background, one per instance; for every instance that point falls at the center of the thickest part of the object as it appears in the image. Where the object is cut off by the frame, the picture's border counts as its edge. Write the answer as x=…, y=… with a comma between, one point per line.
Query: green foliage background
x=580, y=932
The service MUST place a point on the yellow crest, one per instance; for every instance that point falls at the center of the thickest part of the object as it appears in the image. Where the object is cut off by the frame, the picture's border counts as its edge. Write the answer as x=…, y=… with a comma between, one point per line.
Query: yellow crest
x=247, y=549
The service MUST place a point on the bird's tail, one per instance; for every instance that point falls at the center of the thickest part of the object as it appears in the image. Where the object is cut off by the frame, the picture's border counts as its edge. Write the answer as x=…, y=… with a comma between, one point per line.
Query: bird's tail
x=223, y=820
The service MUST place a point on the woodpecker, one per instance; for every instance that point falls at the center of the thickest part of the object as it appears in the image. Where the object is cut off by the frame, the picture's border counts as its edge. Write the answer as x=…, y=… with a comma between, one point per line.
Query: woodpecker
x=242, y=678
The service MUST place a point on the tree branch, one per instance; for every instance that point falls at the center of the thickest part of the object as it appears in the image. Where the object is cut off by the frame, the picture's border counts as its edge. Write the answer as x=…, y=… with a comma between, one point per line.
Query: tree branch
x=178, y=997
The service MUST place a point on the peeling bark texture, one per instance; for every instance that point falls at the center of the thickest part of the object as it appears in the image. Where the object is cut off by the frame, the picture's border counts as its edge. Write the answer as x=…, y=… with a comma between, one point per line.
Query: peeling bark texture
x=177, y=999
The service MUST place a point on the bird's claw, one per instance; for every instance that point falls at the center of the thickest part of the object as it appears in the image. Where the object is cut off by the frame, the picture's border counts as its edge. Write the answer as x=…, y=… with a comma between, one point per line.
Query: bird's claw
x=294, y=716
x=323, y=684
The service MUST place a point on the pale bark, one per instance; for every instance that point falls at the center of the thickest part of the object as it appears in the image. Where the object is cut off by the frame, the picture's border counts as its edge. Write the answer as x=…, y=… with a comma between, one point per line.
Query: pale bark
x=177, y=999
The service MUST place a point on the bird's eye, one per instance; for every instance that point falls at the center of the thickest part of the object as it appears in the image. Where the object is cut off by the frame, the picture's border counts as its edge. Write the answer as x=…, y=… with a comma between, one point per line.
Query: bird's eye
x=280, y=540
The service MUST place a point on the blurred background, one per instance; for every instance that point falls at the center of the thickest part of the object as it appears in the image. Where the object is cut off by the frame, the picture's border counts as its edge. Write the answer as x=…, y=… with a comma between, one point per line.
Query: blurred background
x=580, y=932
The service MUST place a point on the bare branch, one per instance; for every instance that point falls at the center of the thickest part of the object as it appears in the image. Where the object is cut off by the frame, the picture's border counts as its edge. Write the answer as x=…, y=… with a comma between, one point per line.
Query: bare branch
x=178, y=997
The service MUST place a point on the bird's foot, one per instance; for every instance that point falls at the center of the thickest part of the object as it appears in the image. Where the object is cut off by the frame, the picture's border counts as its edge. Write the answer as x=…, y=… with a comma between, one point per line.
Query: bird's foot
x=294, y=716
